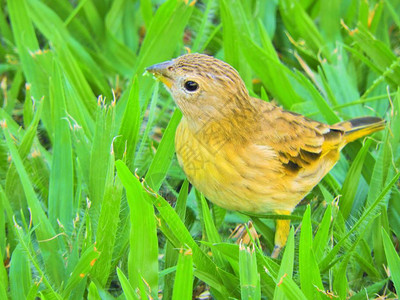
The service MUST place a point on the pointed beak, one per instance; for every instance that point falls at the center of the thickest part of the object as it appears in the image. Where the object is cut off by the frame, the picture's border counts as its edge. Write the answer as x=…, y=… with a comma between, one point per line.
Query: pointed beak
x=162, y=72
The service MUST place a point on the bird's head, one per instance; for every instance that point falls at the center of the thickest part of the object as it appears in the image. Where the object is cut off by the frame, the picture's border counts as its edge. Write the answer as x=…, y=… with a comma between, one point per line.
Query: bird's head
x=201, y=84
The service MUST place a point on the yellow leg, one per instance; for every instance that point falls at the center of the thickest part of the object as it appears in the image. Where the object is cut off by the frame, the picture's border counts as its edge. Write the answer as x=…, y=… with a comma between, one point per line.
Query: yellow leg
x=281, y=233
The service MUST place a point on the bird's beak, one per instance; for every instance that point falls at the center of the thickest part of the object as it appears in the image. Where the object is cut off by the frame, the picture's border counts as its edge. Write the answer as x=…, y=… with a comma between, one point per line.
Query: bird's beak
x=161, y=72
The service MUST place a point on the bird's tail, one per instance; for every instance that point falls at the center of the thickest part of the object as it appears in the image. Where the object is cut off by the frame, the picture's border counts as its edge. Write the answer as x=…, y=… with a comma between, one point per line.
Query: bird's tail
x=359, y=127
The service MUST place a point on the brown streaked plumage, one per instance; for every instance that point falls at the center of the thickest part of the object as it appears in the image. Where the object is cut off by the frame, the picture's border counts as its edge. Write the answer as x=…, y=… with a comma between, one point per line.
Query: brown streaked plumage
x=246, y=154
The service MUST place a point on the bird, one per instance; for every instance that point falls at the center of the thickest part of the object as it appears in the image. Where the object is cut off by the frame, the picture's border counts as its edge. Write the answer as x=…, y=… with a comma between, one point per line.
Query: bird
x=246, y=154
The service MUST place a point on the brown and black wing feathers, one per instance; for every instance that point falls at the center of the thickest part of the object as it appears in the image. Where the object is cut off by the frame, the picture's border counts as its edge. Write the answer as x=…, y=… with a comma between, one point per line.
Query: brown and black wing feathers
x=299, y=141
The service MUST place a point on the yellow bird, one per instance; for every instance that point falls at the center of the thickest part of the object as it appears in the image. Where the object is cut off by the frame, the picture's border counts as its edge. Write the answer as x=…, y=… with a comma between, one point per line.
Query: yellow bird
x=246, y=154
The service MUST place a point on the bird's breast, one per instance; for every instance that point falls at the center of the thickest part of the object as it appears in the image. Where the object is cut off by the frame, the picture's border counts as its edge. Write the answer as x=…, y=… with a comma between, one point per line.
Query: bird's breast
x=235, y=176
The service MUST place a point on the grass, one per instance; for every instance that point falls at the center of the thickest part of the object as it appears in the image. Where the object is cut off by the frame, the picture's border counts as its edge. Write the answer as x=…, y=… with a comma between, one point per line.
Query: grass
x=93, y=202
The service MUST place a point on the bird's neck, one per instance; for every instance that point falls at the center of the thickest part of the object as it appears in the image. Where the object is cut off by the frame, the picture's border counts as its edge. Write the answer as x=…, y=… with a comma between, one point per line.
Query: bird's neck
x=222, y=125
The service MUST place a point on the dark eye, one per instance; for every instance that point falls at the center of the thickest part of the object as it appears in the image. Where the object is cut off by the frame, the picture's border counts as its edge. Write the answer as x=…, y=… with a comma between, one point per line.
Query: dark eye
x=191, y=86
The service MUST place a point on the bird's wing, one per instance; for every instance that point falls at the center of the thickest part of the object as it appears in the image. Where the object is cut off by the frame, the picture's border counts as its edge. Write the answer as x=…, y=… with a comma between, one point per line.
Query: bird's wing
x=298, y=141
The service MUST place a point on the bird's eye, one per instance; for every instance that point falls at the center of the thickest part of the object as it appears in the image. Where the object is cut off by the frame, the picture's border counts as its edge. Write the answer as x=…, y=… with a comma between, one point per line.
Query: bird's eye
x=191, y=86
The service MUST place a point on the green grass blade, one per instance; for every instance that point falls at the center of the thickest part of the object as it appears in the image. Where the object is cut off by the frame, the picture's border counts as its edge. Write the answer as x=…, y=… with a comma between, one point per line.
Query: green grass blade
x=51, y=248
x=61, y=206
x=393, y=12
x=230, y=252
x=121, y=55
x=383, y=167
x=20, y=274
x=370, y=291
x=321, y=238
x=82, y=151
x=3, y=271
x=205, y=26
x=108, y=225
x=183, y=285
x=235, y=24
x=171, y=254
x=330, y=16
x=394, y=212
x=164, y=33
x=13, y=184
x=300, y=26
x=249, y=277
x=82, y=104
x=286, y=268
x=143, y=254
x=93, y=293
x=5, y=27
x=81, y=270
x=128, y=290
x=3, y=290
x=393, y=260
x=100, y=153
x=366, y=216
x=163, y=36
x=34, y=64
x=266, y=43
x=273, y=74
x=162, y=160
x=351, y=181
x=28, y=106
x=201, y=260
x=230, y=282
x=382, y=172
x=218, y=288
x=286, y=283
x=50, y=25
x=367, y=266
x=13, y=92
x=26, y=42
x=267, y=232
x=93, y=18
x=147, y=11
x=382, y=57
x=130, y=125
x=323, y=106
x=25, y=242
x=210, y=230
x=310, y=277
x=340, y=282
x=150, y=119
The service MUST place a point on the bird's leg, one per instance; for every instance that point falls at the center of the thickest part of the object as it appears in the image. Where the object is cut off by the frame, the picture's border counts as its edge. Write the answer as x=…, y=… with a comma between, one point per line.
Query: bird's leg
x=281, y=233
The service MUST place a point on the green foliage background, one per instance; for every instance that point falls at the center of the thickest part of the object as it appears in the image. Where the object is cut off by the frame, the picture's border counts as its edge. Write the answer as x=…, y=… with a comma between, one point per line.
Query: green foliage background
x=92, y=202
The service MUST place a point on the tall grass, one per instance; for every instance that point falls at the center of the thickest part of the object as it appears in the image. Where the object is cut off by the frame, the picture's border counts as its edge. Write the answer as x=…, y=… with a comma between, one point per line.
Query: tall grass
x=93, y=203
